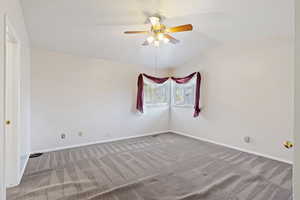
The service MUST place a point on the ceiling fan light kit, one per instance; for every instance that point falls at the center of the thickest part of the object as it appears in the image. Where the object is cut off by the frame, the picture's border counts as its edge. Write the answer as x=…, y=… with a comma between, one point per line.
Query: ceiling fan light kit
x=154, y=20
x=160, y=33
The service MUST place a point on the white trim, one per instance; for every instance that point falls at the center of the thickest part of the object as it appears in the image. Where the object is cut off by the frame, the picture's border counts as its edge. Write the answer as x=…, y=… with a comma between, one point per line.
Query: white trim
x=168, y=88
x=98, y=142
x=157, y=105
x=23, y=169
x=161, y=132
x=2, y=111
x=183, y=106
x=21, y=173
x=232, y=147
x=192, y=82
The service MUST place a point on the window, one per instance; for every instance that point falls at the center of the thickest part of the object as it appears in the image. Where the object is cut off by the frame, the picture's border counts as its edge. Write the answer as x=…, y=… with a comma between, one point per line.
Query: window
x=156, y=94
x=153, y=91
x=184, y=94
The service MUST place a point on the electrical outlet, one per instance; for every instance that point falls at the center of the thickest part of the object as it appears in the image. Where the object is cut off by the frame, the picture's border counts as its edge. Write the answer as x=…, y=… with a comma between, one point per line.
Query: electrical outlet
x=247, y=139
x=80, y=133
x=63, y=136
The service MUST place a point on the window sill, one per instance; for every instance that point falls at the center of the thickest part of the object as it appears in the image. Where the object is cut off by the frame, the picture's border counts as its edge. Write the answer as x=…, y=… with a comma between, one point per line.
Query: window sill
x=184, y=106
x=157, y=106
x=167, y=105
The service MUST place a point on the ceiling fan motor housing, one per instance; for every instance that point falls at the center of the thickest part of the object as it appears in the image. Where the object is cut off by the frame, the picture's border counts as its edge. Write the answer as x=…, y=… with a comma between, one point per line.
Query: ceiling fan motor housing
x=159, y=28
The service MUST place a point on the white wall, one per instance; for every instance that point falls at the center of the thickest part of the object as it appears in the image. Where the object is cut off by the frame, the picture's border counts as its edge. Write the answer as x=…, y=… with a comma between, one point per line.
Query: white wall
x=247, y=90
x=97, y=97
x=13, y=9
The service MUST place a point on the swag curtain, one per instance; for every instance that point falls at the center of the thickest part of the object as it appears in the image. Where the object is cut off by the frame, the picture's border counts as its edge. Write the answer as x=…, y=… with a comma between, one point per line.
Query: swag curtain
x=140, y=92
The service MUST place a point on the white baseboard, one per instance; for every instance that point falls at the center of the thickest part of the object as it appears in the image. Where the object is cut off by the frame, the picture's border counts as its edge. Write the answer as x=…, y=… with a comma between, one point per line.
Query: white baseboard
x=160, y=132
x=232, y=147
x=97, y=142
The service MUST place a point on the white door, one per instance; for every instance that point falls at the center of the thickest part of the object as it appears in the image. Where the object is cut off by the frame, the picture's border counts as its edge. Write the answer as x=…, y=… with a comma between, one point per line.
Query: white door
x=12, y=107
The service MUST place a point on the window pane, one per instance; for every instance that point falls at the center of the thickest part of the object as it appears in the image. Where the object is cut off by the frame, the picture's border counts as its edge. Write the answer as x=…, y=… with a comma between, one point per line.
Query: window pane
x=156, y=94
x=179, y=97
x=189, y=93
x=184, y=94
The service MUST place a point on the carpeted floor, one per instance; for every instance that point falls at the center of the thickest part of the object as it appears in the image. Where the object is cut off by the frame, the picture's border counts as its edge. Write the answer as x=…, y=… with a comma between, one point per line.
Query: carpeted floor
x=164, y=167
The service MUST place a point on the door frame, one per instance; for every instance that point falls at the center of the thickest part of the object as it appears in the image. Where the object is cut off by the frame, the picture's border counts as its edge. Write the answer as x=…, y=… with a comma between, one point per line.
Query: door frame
x=296, y=174
x=2, y=109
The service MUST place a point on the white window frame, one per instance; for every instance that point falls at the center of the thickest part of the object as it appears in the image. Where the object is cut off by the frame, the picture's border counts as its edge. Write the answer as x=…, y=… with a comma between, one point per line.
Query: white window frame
x=167, y=84
x=191, y=82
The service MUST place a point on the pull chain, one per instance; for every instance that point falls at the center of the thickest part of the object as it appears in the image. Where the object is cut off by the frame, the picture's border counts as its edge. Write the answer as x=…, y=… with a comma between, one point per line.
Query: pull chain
x=155, y=69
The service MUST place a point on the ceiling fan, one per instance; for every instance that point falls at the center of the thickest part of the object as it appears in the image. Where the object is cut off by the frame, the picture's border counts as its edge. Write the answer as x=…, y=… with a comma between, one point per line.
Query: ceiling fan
x=160, y=33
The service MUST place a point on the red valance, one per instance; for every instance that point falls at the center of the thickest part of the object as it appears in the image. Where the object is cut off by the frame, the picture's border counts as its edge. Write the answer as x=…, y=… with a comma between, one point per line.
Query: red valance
x=155, y=79
x=184, y=79
x=140, y=92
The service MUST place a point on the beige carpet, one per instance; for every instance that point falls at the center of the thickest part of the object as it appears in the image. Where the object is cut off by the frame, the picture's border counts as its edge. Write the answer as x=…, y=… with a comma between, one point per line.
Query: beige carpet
x=165, y=167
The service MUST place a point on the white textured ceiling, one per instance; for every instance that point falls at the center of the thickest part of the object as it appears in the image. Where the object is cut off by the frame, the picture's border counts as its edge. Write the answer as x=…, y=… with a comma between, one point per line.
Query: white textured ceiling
x=95, y=28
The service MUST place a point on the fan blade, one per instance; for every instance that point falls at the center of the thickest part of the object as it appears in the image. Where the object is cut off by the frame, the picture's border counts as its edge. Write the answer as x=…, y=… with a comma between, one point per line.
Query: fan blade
x=187, y=27
x=146, y=43
x=136, y=32
x=172, y=39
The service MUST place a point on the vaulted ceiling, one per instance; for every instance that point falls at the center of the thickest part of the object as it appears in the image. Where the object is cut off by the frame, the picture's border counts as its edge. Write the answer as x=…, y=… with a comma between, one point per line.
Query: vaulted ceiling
x=94, y=28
